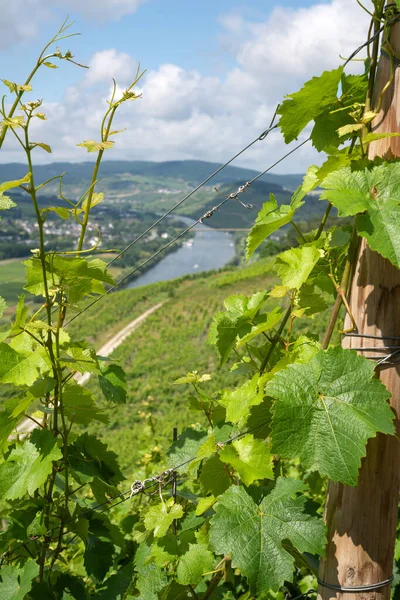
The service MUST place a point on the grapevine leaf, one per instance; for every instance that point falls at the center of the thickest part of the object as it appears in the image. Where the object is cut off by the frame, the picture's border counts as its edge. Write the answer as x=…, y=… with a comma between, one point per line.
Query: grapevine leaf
x=90, y=458
x=351, y=128
x=186, y=447
x=21, y=368
x=6, y=203
x=325, y=131
x=113, y=384
x=151, y=578
x=98, y=557
x=215, y=476
x=80, y=406
x=160, y=517
x=250, y=457
x=253, y=534
x=45, y=147
x=15, y=88
x=295, y=265
x=115, y=586
x=315, y=175
x=204, y=504
x=310, y=302
x=92, y=146
x=59, y=210
x=10, y=414
x=307, y=104
x=28, y=466
x=7, y=185
x=326, y=410
x=34, y=277
x=239, y=400
x=374, y=192
x=373, y=137
x=237, y=321
x=263, y=323
x=17, y=582
x=96, y=199
x=196, y=561
x=270, y=218
x=81, y=358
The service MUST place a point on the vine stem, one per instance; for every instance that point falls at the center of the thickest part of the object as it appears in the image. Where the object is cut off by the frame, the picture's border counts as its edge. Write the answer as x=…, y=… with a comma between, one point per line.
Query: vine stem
x=104, y=136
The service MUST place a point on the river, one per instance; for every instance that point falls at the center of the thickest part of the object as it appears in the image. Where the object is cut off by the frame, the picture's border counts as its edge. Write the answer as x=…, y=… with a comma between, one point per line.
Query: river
x=208, y=249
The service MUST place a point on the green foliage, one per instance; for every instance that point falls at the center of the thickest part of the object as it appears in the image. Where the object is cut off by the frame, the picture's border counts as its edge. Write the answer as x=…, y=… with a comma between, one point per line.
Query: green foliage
x=253, y=533
x=27, y=467
x=372, y=195
x=232, y=516
x=196, y=561
x=311, y=101
x=270, y=218
x=17, y=582
x=326, y=410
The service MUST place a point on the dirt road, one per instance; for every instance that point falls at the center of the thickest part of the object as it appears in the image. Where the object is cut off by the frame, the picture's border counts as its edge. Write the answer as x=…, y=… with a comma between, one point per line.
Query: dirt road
x=27, y=425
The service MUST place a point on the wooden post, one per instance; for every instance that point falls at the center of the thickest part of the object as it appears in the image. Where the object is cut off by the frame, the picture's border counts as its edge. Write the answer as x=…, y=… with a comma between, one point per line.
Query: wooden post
x=362, y=521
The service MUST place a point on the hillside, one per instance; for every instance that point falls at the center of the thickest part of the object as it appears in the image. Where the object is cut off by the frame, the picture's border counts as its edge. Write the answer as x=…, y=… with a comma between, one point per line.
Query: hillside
x=151, y=187
x=190, y=171
x=170, y=343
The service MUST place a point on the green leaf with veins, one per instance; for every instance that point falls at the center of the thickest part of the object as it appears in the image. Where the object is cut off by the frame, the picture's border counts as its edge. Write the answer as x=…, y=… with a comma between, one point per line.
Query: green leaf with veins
x=80, y=358
x=253, y=534
x=326, y=410
x=270, y=218
x=295, y=265
x=16, y=582
x=90, y=458
x=196, y=561
x=239, y=400
x=186, y=447
x=250, y=457
x=112, y=383
x=315, y=175
x=160, y=517
x=262, y=323
x=92, y=146
x=151, y=579
x=80, y=405
x=28, y=466
x=98, y=557
x=305, y=105
x=237, y=322
x=375, y=193
x=214, y=476
x=21, y=368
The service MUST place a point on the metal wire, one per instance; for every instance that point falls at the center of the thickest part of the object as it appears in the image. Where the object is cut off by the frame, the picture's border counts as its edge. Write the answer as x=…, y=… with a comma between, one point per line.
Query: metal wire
x=137, y=487
x=207, y=215
x=261, y=137
x=392, y=351
x=359, y=588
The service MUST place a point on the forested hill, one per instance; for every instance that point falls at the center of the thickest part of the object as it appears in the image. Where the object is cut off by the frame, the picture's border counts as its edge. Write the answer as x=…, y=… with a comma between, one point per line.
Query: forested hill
x=155, y=187
x=190, y=171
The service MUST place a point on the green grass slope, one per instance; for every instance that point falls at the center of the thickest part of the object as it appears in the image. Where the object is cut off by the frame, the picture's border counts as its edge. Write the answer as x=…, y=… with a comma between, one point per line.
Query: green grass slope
x=171, y=342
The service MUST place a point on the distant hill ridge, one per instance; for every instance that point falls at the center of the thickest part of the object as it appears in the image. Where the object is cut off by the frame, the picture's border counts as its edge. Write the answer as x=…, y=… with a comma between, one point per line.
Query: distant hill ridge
x=193, y=171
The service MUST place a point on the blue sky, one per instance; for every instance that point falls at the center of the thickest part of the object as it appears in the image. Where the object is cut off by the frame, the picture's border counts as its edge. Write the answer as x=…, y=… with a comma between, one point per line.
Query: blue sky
x=216, y=69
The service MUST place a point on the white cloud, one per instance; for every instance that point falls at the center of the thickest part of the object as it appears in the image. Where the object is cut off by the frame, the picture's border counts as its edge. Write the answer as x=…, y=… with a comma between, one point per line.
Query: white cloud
x=20, y=20
x=103, y=9
x=186, y=115
x=109, y=64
